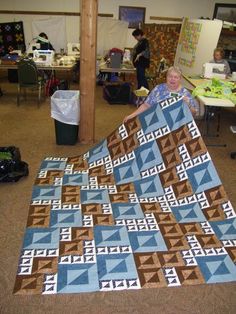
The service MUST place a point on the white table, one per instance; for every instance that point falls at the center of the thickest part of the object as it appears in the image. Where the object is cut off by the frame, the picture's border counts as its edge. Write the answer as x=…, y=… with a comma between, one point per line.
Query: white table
x=214, y=103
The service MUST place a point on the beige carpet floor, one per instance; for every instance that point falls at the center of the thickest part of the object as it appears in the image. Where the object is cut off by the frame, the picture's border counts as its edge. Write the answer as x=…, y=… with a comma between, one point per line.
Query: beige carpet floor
x=32, y=130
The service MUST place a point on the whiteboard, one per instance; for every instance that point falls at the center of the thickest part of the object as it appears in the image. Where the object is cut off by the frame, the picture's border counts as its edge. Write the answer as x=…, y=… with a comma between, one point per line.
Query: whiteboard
x=197, y=41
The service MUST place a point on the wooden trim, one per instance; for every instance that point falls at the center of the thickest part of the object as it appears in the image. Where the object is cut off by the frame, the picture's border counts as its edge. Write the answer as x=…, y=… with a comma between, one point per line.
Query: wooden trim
x=49, y=13
x=165, y=18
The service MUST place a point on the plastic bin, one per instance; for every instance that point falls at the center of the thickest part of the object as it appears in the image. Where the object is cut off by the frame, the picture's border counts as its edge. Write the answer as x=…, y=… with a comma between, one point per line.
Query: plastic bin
x=66, y=134
x=65, y=112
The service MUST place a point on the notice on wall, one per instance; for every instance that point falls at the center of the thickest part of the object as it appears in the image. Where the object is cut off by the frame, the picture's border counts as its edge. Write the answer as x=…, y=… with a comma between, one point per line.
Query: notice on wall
x=197, y=41
x=189, y=40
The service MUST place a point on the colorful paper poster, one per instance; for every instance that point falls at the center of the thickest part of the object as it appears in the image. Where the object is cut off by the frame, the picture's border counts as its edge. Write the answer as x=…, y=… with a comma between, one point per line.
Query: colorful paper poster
x=189, y=41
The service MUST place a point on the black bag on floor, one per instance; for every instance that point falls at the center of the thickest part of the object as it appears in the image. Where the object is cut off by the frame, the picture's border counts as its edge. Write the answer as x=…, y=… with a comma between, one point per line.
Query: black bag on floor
x=119, y=93
x=63, y=85
x=53, y=84
x=12, y=168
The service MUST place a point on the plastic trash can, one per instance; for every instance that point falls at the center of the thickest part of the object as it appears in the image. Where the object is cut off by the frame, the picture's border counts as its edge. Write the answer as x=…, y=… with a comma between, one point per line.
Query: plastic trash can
x=65, y=111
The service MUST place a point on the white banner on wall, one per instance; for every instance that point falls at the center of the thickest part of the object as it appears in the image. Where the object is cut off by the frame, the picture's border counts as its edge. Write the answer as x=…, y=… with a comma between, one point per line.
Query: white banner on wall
x=111, y=34
x=55, y=28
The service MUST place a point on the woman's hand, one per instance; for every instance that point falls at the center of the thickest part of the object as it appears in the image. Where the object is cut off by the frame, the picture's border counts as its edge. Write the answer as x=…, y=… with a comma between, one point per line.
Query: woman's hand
x=127, y=118
x=137, y=57
x=140, y=109
x=187, y=101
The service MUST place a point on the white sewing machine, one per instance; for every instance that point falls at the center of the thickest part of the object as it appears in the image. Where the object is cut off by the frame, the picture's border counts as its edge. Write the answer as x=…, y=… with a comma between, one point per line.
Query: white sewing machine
x=216, y=70
x=73, y=49
x=127, y=55
x=33, y=46
x=43, y=57
x=67, y=60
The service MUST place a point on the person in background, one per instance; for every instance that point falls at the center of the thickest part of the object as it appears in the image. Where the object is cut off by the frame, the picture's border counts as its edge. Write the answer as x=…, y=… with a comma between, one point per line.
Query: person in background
x=171, y=88
x=141, y=57
x=44, y=42
x=218, y=56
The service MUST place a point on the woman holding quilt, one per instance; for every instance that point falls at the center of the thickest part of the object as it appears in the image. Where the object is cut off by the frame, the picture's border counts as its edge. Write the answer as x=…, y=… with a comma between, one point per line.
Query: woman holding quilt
x=171, y=88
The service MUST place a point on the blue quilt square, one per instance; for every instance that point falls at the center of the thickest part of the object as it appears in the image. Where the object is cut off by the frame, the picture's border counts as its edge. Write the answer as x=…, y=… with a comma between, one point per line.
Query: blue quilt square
x=218, y=268
x=46, y=192
x=116, y=266
x=224, y=230
x=94, y=196
x=74, y=278
x=111, y=236
x=66, y=218
x=188, y=213
x=177, y=115
x=75, y=179
x=149, y=187
x=203, y=177
x=127, y=211
x=148, y=156
x=147, y=241
x=53, y=165
x=152, y=119
x=126, y=172
x=44, y=238
x=98, y=152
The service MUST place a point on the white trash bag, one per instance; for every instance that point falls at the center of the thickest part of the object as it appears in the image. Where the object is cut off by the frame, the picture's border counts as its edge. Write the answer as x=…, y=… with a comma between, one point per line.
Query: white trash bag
x=65, y=106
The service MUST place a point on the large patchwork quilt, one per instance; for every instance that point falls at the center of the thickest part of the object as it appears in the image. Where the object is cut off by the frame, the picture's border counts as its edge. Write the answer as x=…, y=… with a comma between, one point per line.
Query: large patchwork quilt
x=11, y=37
x=144, y=208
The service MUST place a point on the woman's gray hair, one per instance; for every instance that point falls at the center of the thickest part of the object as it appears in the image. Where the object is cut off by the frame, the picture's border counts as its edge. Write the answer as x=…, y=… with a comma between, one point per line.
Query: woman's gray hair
x=174, y=69
x=220, y=50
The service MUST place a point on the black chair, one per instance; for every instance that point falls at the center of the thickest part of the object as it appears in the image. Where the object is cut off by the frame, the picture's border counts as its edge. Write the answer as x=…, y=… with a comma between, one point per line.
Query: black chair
x=28, y=78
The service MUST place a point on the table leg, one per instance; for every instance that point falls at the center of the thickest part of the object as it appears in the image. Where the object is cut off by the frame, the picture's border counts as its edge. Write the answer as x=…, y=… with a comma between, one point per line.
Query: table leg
x=209, y=114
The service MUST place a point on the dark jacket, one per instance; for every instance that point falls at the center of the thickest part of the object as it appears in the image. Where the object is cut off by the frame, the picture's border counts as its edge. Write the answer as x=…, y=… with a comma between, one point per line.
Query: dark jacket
x=142, y=46
x=45, y=46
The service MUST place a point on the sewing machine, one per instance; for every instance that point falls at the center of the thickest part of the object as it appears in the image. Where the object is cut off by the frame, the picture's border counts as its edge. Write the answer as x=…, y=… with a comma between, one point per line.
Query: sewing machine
x=33, y=46
x=216, y=70
x=43, y=57
x=67, y=60
x=73, y=49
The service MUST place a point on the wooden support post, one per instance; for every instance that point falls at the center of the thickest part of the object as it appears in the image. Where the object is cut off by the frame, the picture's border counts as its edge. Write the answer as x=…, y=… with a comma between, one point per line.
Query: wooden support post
x=88, y=40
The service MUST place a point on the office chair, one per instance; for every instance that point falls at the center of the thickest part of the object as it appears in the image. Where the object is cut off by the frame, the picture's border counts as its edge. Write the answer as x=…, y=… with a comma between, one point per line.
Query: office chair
x=28, y=77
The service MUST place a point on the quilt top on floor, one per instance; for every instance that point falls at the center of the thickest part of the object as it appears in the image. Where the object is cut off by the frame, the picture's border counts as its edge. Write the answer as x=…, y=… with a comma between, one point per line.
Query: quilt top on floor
x=144, y=208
